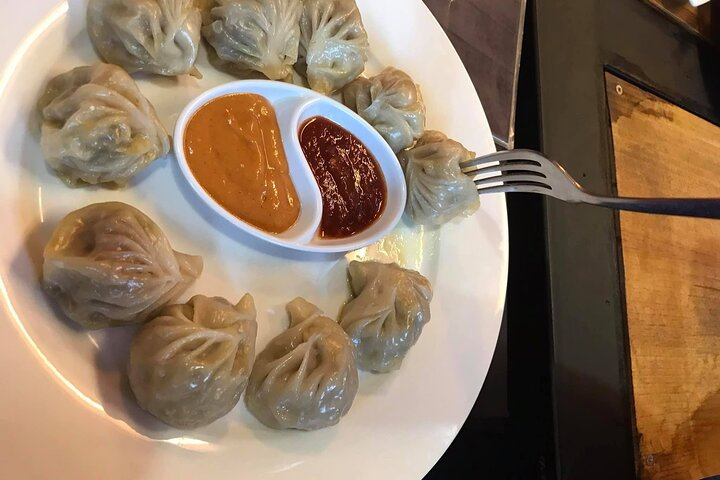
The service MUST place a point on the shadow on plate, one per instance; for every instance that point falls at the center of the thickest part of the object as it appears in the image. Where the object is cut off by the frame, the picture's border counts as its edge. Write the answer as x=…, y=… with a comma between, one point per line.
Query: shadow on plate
x=26, y=268
x=112, y=344
x=26, y=126
x=118, y=400
x=290, y=441
x=35, y=241
x=375, y=384
x=113, y=387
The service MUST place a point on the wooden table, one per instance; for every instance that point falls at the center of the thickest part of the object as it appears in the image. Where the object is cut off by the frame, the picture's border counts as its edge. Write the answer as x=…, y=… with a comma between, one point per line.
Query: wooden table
x=672, y=282
x=487, y=35
x=698, y=20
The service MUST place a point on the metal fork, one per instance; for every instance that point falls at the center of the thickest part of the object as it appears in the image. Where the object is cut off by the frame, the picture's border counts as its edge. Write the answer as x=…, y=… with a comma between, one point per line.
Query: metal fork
x=529, y=171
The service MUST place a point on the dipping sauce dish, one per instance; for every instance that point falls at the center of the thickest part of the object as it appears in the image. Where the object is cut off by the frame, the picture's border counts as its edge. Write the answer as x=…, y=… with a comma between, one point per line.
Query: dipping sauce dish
x=290, y=166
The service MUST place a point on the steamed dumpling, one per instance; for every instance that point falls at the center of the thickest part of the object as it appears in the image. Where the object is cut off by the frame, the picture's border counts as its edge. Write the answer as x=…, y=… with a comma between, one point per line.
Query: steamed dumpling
x=392, y=103
x=109, y=264
x=255, y=35
x=97, y=128
x=306, y=377
x=438, y=191
x=389, y=308
x=333, y=44
x=154, y=36
x=190, y=364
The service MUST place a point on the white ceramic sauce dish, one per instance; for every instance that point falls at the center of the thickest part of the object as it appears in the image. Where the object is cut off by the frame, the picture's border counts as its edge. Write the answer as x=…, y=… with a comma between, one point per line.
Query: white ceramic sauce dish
x=293, y=106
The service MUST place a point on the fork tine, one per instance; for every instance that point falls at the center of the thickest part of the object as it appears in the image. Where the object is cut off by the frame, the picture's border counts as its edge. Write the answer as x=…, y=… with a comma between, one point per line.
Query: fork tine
x=510, y=155
x=510, y=177
x=503, y=167
x=480, y=161
x=530, y=187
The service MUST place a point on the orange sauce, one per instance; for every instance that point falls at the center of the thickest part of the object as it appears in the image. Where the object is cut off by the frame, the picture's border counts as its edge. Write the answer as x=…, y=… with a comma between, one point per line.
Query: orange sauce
x=234, y=150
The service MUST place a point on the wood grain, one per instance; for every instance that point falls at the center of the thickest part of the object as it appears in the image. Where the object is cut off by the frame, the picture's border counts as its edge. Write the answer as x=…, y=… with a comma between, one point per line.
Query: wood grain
x=700, y=20
x=485, y=34
x=672, y=283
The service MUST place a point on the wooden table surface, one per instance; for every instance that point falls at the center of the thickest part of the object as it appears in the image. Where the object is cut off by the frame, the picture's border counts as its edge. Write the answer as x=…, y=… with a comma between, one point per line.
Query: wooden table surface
x=613, y=360
x=487, y=35
x=672, y=283
x=703, y=20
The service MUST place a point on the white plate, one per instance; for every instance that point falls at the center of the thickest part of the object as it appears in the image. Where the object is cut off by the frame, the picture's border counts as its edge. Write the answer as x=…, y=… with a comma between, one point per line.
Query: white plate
x=63, y=410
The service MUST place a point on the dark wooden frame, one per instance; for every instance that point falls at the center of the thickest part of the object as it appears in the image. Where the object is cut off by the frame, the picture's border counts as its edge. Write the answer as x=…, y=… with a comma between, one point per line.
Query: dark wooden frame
x=576, y=43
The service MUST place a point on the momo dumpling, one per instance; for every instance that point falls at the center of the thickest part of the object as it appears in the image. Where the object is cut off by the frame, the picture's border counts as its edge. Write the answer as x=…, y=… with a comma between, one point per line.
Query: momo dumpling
x=190, y=364
x=255, y=35
x=109, y=264
x=392, y=103
x=389, y=308
x=236, y=69
x=333, y=44
x=154, y=36
x=306, y=377
x=97, y=128
x=438, y=190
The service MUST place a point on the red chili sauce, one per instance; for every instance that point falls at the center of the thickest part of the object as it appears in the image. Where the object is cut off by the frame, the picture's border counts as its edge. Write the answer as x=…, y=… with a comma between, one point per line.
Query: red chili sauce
x=351, y=182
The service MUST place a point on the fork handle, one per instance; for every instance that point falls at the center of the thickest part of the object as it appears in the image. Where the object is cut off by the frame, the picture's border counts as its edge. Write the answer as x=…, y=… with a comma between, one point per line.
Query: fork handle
x=683, y=207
